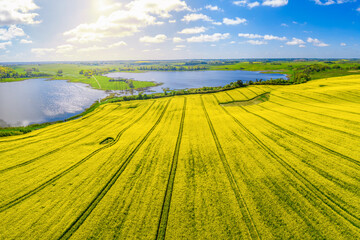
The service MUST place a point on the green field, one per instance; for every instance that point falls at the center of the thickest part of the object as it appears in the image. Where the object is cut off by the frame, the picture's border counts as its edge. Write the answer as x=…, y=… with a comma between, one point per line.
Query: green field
x=71, y=72
x=283, y=166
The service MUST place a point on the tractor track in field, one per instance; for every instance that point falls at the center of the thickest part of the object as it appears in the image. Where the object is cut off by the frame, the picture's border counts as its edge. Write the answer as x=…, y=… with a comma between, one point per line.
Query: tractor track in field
x=342, y=99
x=333, y=152
x=161, y=232
x=338, y=209
x=232, y=99
x=317, y=100
x=48, y=153
x=253, y=232
x=66, y=171
x=312, y=123
x=87, y=211
x=320, y=114
x=253, y=92
x=72, y=131
x=241, y=93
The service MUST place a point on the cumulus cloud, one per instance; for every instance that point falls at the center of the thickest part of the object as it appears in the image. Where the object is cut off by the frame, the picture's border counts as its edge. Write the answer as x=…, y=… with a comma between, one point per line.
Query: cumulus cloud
x=193, y=30
x=250, y=35
x=3, y=45
x=246, y=3
x=343, y=44
x=295, y=41
x=127, y=21
x=236, y=21
x=330, y=2
x=92, y=49
x=12, y=32
x=177, y=40
x=117, y=44
x=271, y=37
x=213, y=8
x=25, y=41
x=316, y=42
x=209, y=38
x=269, y=3
x=275, y=3
x=195, y=17
x=179, y=47
x=18, y=12
x=42, y=51
x=257, y=42
x=217, y=23
x=64, y=48
x=265, y=37
x=157, y=39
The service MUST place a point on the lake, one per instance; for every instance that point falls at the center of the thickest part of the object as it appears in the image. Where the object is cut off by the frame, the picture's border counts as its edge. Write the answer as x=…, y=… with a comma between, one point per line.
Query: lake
x=194, y=79
x=39, y=100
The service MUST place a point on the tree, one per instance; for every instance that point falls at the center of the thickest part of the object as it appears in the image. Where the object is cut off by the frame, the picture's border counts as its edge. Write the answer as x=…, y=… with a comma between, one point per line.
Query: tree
x=59, y=72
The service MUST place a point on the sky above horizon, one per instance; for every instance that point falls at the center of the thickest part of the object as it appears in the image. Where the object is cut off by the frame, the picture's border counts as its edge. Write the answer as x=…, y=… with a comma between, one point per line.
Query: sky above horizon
x=81, y=30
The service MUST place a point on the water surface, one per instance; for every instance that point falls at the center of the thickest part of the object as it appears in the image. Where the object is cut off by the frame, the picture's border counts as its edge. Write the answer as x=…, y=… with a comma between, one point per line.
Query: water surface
x=194, y=79
x=38, y=100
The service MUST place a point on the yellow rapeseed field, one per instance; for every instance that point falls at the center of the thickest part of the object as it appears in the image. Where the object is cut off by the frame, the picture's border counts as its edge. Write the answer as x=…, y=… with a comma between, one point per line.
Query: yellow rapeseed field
x=285, y=165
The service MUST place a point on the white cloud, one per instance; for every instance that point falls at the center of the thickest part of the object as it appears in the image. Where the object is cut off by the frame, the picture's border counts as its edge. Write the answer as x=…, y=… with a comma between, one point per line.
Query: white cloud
x=127, y=21
x=209, y=38
x=91, y=49
x=269, y=3
x=257, y=42
x=330, y=2
x=302, y=46
x=343, y=44
x=25, y=41
x=195, y=17
x=172, y=21
x=64, y=48
x=117, y=44
x=253, y=4
x=246, y=3
x=295, y=41
x=249, y=35
x=213, y=8
x=177, y=40
x=265, y=37
x=275, y=3
x=12, y=32
x=193, y=30
x=157, y=39
x=284, y=25
x=3, y=45
x=42, y=51
x=271, y=37
x=316, y=42
x=358, y=9
x=235, y=21
x=217, y=23
x=18, y=12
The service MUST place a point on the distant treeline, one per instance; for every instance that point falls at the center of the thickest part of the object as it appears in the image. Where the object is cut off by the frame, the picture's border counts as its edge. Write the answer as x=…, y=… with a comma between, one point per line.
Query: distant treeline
x=171, y=68
x=303, y=73
x=6, y=72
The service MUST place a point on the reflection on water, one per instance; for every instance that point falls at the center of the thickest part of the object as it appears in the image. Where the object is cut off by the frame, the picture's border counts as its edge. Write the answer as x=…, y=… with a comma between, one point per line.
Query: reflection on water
x=195, y=79
x=38, y=100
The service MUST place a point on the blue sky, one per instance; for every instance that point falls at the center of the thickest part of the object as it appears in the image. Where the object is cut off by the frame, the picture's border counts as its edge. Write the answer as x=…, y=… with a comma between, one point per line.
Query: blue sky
x=43, y=30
